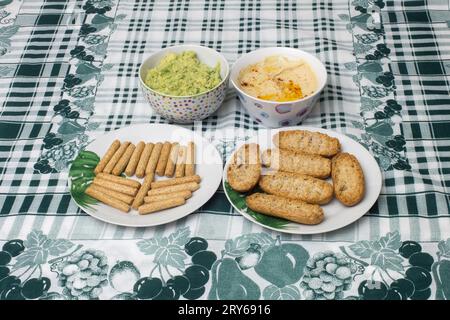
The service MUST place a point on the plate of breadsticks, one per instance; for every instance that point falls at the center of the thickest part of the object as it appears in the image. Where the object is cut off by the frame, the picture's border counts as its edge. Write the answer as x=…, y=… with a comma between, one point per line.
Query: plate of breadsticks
x=145, y=175
x=302, y=180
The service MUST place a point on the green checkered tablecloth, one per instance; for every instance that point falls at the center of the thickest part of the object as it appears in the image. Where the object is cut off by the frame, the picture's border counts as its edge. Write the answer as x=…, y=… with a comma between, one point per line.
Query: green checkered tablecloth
x=69, y=72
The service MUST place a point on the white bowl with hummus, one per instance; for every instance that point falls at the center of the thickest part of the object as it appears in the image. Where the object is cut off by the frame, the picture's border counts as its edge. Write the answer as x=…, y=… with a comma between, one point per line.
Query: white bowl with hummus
x=184, y=83
x=278, y=86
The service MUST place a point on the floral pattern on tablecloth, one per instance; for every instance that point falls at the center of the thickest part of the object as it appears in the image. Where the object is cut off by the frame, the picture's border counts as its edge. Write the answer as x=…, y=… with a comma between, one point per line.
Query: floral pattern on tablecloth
x=184, y=267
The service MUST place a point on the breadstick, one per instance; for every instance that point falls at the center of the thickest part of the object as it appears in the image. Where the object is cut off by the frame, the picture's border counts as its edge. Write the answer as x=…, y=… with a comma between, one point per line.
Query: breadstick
x=120, y=180
x=170, y=167
x=118, y=195
x=153, y=161
x=142, y=164
x=108, y=155
x=115, y=186
x=162, y=162
x=185, y=194
x=124, y=159
x=161, y=205
x=181, y=162
x=191, y=186
x=139, y=199
x=190, y=160
x=106, y=199
x=116, y=157
x=175, y=181
x=131, y=167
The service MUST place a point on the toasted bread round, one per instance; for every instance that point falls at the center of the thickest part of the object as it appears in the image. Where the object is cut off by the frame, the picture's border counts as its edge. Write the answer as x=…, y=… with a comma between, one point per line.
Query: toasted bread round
x=307, y=142
x=245, y=168
x=289, y=209
x=348, y=179
x=297, y=186
x=297, y=162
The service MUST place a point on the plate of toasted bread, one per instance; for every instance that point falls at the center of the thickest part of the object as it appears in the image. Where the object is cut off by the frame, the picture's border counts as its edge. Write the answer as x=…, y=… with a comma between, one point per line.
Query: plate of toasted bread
x=145, y=175
x=302, y=180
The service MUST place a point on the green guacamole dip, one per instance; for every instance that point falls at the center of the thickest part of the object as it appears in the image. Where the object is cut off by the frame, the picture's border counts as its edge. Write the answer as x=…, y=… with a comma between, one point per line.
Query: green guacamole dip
x=182, y=75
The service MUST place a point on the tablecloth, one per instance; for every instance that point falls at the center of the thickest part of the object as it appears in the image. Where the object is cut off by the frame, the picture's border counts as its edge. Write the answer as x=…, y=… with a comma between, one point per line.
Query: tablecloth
x=69, y=73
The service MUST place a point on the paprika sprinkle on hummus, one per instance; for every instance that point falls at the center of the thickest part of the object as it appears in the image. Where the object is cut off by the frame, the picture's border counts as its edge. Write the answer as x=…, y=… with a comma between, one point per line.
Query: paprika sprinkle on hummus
x=278, y=78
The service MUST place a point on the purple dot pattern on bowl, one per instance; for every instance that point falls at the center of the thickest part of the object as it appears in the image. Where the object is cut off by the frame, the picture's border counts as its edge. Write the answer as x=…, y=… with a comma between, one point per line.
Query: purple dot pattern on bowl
x=264, y=115
x=302, y=112
x=285, y=123
x=259, y=106
x=283, y=108
x=186, y=110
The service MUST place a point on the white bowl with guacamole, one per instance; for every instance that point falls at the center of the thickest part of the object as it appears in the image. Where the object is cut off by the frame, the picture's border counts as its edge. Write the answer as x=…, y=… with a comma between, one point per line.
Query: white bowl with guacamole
x=184, y=83
x=278, y=86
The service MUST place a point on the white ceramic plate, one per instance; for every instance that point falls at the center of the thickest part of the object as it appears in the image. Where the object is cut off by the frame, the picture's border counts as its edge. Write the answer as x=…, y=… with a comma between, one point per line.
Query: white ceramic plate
x=336, y=214
x=208, y=166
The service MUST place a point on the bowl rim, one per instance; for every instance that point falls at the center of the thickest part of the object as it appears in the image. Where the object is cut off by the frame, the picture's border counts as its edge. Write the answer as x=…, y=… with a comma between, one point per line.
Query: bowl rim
x=227, y=75
x=309, y=55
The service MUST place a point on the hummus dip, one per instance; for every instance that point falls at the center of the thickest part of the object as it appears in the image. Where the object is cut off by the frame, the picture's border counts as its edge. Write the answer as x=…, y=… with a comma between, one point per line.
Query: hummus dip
x=278, y=78
x=182, y=75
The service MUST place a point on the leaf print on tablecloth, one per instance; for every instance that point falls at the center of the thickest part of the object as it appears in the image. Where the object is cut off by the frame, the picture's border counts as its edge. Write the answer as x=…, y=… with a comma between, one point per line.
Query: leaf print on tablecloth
x=57, y=247
x=6, y=33
x=357, y=124
x=170, y=255
x=180, y=237
x=86, y=104
x=38, y=248
x=351, y=66
x=149, y=246
x=387, y=259
x=360, y=48
x=382, y=253
x=263, y=239
x=444, y=248
x=368, y=104
x=361, y=3
x=238, y=246
x=31, y=257
x=363, y=249
x=391, y=241
x=99, y=49
x=6, y=71
x=91, y=126
x=289, y=292
x=168, y=251
x=344, y=17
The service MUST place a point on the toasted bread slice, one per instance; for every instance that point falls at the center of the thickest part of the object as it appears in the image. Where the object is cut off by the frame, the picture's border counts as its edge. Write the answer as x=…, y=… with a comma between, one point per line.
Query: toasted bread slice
x=307, y=142
x=297, y=186
x=297, y=162
x=245, y=168
x=348, y=179
x=289, y=209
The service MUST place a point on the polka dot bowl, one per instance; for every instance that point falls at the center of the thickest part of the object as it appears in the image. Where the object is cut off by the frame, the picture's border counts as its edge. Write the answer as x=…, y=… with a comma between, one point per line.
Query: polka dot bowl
x=186, y=109
x=274, y=114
